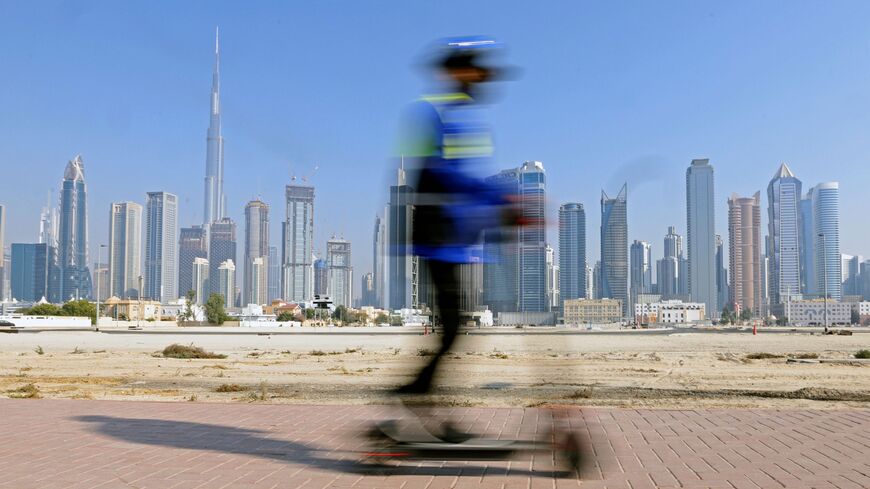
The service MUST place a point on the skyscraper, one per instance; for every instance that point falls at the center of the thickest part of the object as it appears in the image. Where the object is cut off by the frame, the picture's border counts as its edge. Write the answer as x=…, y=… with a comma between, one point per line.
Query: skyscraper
x=744, y=243
x=297, y=243
x=226, y=280
x=3, y=271
x=783, y=214
x=532, y=239
x=321, y=277
x=192, y=244
x=274, y=274
x=200, y=280
x=256, y=247
x=826, y=244
x=161, y=247
x=339, y=282
x=401, y=265
x=222, y=248
x=553, y=300
x=572, y=252
x=722, y=290
x=74, y=281
x=670, y=266
x=215, y=202
x=701, y=233
x=501, y=277
x=367, y=297
x=125, y=245
x=640, y=276
x=807, y=240
x=614, y=247
x=30, y=271
x=48, y=223
x=379, y=262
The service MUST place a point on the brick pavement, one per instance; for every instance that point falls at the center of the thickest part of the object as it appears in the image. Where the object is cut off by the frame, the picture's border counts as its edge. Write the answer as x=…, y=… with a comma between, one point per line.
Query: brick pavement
x=104, y=444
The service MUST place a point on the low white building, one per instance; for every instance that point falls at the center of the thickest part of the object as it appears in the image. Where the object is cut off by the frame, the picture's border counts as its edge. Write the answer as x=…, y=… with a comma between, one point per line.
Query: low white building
x=812, y=313
x=671, y=312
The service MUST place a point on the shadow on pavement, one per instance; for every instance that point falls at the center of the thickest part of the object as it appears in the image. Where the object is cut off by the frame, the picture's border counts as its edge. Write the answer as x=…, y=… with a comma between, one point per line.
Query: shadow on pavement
x=230, y=439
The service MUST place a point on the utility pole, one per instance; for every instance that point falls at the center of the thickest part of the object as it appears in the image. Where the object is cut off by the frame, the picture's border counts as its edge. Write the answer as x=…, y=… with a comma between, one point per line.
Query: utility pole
x=825, y=258
x=99, y=263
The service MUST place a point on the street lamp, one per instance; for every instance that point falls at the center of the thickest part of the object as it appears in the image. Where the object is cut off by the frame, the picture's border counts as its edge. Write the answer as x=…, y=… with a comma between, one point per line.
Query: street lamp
x=139, y=316
x=825, y=259
x=99, y=263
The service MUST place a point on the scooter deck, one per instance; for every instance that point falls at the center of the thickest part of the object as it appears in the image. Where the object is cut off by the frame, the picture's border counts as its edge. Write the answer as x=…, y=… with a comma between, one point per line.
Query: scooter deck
x=474, y=449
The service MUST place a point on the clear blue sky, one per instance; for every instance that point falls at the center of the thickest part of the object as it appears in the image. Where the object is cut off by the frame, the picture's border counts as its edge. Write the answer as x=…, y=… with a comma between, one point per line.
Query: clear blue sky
x=610, y=92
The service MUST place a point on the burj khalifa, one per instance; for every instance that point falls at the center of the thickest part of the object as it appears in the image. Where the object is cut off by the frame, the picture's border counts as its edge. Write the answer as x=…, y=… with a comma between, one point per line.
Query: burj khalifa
x=215, y=202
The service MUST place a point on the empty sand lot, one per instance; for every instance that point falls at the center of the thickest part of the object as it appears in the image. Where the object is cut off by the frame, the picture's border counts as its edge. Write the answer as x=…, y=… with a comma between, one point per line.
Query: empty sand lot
x=678, y=369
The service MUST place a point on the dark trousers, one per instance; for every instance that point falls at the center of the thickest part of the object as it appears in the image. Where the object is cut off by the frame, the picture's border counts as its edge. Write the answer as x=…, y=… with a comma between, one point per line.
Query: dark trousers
x=445, y=278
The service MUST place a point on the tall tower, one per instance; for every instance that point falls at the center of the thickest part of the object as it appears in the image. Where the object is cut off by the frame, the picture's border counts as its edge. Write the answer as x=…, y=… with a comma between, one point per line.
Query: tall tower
x=274, y=274
x=701, y=234
x=783, y=214
x=670, y=266
x=4, y=272
x=215, y=202
x=221, y=248
x=226, y=282
x=402, y=265
x=161, y=247
x=125, y=243
x=572, y=251
x=614, y=247
x=807, y=242
x=722, y=289
x=192, y=244
x=298, y=244
x=339, y=282
x=640, y=274
x=256, y=247
x=826, y=236
x=379, y=263
x=500, y=246
x=744, y=240
x=532, y=242
x=74, y=281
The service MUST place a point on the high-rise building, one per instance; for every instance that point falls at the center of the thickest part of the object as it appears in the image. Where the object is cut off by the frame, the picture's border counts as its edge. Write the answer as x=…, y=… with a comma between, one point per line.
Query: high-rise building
x=297, y=244
x=701, y=234
x=101, y=281
x=367, y=297
x=379, y=262
x=640, y=274
x=48, y=223
x=783, y=214
x=74, y=281
x=590, y=291
x=501, y=272
x=744, y=244
x=553, y=300
x=402, y=265
x=339, y=282
x=826, y=244
x=274, y=274
x=596, y=281
x=470, y=285
x=614, y=247
x=321, y=277
x=670, y=266
x=192, y=244
x=125, y=245
x=256, y=247
x=807, y=253
x=221, y=248
x=852, y=275
x=199, y=275
x=30, y=271
x=215, y=202
x=572, y=252
x=161, y=247
x=532, y=238
x=722, y=290
x=226, y=279
x=3, y=271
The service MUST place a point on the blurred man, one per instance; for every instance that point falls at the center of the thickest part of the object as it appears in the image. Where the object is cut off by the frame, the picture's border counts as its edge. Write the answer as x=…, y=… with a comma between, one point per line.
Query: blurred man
x=448, y=145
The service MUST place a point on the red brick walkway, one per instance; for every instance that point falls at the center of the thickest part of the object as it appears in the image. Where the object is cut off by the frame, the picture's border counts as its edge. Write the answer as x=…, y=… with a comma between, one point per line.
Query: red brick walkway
x=88, y=444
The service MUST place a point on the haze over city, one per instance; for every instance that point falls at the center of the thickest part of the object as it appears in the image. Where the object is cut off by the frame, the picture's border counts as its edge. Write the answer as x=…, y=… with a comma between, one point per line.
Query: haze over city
x=605, y=97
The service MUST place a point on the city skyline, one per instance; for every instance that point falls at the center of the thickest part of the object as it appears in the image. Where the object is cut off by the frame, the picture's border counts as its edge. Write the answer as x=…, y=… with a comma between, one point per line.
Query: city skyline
x=639, y=167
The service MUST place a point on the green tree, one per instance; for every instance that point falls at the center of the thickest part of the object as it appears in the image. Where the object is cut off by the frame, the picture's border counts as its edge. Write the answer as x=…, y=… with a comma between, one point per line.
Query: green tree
x=745, y=315
x=340, y=313
x=783, y=321
x=81, y=308
x=285, y=316
x=382, y=319
x=187, y=313
x=214, y=309
x=43, y=310
x=727, y=316
x=856, y=317
x=309, y=313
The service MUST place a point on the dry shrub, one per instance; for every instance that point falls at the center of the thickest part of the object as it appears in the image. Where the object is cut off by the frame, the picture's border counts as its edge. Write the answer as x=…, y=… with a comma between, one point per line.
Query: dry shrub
x=231, y=388
x=189, y=352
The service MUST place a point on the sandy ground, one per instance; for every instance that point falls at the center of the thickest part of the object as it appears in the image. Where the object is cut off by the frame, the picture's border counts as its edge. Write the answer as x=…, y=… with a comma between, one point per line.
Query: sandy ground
x=678, y=370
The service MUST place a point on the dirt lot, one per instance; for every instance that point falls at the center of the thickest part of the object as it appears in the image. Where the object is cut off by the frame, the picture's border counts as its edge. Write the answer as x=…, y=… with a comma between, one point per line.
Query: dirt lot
x=682, y=370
